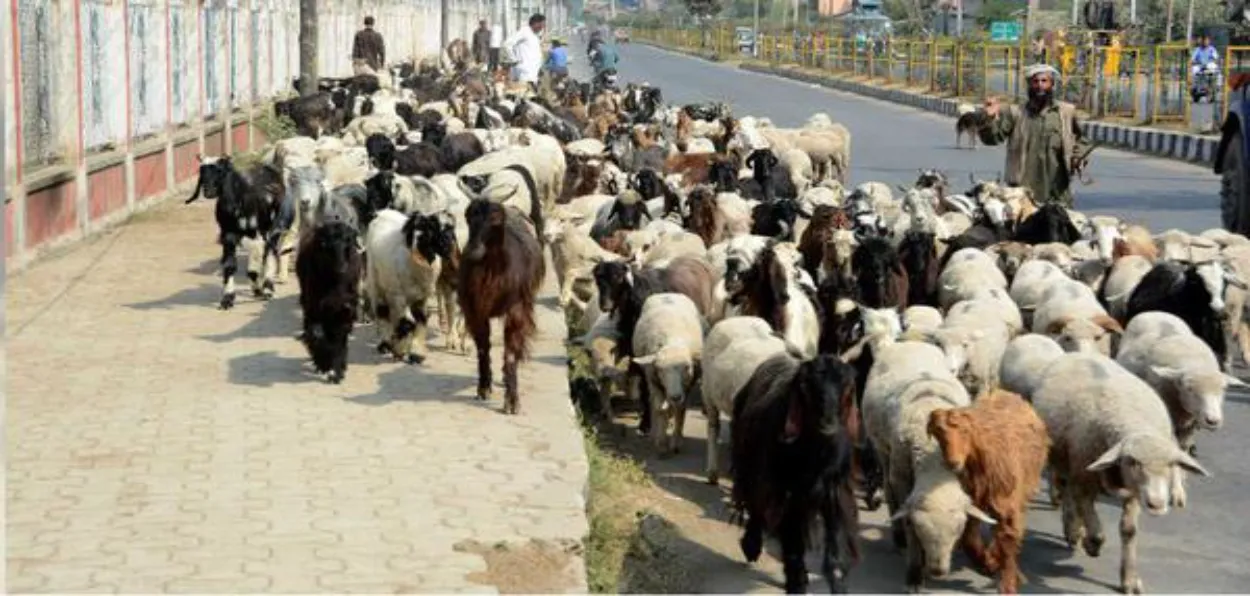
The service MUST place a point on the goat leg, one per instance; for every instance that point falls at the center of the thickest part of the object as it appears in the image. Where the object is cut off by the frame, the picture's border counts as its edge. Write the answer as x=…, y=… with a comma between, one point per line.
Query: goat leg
x=229, y=266
x=832, y=564
x=792, y=533
x=511, y=397
x=1004, y=555
x=752, y=542
x=481, y=338
x=974, y=548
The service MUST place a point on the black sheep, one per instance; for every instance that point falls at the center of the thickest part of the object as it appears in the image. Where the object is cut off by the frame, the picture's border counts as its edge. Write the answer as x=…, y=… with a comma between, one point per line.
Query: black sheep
x=1186, y=290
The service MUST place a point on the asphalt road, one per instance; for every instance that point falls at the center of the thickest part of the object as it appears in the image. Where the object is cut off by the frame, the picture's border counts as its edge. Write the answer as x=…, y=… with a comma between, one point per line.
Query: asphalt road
x=1199, y=549
x=891, y=142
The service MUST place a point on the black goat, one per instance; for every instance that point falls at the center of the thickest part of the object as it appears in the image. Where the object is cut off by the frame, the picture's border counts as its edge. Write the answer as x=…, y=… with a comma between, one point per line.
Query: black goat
x=460, y=149
x=381, y=151
x=329, y=265
x=258, y=208
x=918, y=254
x=1193, y=292
x=420, y=159
x=880, y=278
x=762, y=162
x=1050, y=223
x=723, y=175
x=312, y=114
x=776, y=219
x=791, y=454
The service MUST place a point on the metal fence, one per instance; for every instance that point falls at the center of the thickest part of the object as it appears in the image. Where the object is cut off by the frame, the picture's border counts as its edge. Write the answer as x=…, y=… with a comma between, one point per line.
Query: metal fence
x=1139, y=85
x=97, y=74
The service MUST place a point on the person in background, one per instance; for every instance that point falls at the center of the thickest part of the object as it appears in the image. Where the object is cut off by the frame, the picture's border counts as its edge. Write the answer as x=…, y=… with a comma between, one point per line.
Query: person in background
x=526, y=51
x=368, y=48
x=481, y=43
x=496, y=40
x=557, y=59
x=1043, y=140
x=603, y=56
x=1204, y=54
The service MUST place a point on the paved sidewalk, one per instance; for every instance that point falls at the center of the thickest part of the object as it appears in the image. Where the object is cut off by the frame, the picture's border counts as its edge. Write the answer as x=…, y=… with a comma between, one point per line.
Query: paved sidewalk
x=158, y=444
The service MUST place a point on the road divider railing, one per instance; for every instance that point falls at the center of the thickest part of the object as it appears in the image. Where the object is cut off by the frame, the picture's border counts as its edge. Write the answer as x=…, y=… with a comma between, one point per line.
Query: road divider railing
x=1152, y=86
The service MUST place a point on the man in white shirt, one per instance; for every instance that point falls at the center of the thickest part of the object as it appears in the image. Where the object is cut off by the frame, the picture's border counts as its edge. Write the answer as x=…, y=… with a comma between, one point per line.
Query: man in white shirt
x=496, y=39
x=526, y=50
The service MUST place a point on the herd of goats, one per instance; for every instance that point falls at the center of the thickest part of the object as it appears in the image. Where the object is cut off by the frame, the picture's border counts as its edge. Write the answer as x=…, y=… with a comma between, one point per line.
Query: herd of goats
x=940, y=348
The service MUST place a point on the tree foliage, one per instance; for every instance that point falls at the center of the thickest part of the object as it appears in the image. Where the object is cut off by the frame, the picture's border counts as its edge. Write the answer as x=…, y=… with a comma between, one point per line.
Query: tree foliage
x=703, y=8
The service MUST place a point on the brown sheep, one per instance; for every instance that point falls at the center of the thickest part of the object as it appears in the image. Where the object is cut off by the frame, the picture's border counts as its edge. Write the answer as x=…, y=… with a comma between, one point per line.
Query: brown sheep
x=998, y=447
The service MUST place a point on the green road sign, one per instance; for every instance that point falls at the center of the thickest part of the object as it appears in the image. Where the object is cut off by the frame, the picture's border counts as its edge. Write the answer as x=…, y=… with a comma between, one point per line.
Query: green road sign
x=1004, y=31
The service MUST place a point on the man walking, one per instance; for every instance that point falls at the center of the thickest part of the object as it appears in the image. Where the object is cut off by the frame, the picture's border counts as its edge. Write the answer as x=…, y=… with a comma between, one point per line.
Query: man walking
x=1043, y=140
x=481, y=43
x=527, y=51
x=368, y=49
x=496, y=40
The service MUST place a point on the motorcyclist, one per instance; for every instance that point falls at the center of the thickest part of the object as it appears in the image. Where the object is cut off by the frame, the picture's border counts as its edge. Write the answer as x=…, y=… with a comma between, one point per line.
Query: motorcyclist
x=1204, y=63
x=1203, y=55
x=557, y=59
x=603, y=56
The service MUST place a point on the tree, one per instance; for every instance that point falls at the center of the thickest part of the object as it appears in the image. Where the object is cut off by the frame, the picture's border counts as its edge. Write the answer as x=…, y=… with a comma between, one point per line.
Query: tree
x=701, y=10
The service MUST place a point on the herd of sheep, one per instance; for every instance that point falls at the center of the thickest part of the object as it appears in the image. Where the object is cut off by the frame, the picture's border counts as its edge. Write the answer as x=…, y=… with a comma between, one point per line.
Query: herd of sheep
x=943, y=348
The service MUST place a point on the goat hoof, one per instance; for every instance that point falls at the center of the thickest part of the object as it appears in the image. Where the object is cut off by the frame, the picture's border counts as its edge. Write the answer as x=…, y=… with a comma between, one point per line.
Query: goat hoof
x=751, y=546
x=384, y=348
x=414, y=359
x=1133, y=586
x=227, y=302
x=713, y=478
x=1093, y=545
x=485, y=394
x=872, y=502
x=335, y=377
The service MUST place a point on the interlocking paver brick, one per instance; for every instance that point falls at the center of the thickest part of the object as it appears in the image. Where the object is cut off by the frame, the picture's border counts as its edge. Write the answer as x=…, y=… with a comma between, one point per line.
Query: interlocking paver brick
x=156, y=443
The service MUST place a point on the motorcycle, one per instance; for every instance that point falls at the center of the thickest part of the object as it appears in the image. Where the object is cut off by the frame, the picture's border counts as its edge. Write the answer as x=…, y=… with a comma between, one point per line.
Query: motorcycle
x=1206, y=82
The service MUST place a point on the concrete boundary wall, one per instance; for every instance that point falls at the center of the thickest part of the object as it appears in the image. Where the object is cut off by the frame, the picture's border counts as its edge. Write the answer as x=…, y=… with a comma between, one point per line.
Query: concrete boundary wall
x=108, y=102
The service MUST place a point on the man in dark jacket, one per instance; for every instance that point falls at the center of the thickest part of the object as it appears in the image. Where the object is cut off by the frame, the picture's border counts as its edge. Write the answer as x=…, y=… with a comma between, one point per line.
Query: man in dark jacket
x=369, y=47
x=481, y=43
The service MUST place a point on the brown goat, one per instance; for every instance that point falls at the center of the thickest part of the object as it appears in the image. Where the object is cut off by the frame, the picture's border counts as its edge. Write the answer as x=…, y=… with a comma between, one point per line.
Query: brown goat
x=705, y=218
x=501, y=270
x=693, y=277
x=615, y=243
x=819, y=232
x=694, y=168
x=998, y=447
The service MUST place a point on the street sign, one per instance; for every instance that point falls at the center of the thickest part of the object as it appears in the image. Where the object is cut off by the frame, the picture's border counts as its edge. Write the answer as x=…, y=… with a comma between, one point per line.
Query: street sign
x=1004, y=31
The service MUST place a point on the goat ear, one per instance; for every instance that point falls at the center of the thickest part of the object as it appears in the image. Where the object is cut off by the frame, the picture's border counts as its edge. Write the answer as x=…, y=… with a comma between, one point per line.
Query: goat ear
x=1188, y=462
x=1166, y=372
x=644, y=360
x=1106, y=460
x=1108, y=323
x=1234, y=381
x=903, y=511
x=1057, y=325
x=1235, y=281
x=974, y=511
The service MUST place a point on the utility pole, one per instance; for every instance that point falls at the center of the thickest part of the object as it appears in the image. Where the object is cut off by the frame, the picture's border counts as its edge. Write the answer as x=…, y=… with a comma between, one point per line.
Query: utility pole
x=1167, y=34
x=308, y=47
x=755, y=35
x=444, y=23
x=1189, y=25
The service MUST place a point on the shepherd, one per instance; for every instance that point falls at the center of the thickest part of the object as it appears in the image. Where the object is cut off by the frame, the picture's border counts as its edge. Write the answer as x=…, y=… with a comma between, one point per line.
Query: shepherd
x=1045, y=148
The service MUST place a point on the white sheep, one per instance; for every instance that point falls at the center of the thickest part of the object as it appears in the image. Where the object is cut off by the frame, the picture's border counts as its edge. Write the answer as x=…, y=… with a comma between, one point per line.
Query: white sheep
x=1024, y=362
x=1070, y=312
x=732, y=350
x=1032, y=280
x=573, y=254
x=921, y=318
x=600, y=342
x=667, y=247
x=1100, y=416
x=967, y=272
x=668, y=345
x=1126, y=272
x=1159, y=348
x=908, y=381
x=399, y=281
